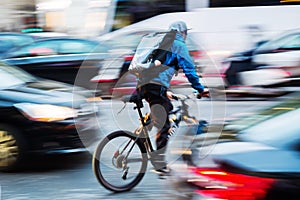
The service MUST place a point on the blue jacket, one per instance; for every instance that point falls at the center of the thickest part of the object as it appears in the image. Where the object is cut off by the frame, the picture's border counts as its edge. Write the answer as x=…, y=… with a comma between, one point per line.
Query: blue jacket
x=179, y=55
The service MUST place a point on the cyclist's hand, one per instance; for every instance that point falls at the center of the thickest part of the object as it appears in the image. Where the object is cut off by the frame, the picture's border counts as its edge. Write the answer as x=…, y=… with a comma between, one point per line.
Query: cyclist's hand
x=157, y=63
x=170, y=95
x=204, y=93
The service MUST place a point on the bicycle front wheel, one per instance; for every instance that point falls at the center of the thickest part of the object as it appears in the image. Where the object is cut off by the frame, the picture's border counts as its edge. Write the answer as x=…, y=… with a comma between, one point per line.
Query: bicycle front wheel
x=120, y=161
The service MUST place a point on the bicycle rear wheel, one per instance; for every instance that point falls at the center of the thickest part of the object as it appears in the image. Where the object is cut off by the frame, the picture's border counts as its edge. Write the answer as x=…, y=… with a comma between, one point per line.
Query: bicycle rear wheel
x=120, y=163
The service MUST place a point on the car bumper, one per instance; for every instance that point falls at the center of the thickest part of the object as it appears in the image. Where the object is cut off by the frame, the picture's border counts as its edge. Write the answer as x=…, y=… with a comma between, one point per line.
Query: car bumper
x=60, y=137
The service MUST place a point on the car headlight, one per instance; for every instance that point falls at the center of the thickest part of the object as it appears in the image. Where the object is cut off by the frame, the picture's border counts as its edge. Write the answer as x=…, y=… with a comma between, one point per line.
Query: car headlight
x=45, y=112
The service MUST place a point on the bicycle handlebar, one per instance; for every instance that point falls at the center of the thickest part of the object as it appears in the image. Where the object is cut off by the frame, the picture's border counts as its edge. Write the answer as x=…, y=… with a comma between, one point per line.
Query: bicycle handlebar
x=139, y=101
x=182, y=97
x=197, y=95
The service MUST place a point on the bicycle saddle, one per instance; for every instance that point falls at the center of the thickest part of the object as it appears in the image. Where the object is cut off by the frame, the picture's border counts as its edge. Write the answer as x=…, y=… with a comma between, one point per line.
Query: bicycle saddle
x=135, y=98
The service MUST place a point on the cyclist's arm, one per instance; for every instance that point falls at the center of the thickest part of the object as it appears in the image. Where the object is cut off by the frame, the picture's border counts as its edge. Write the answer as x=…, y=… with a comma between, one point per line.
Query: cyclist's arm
x=190, y=72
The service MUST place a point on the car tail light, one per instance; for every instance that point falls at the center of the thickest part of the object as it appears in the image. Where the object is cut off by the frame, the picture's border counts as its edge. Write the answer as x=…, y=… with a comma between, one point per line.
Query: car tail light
x=287, y=73
x=219, y=184
x=128, y=58
x=98, y=80
x=197, y=54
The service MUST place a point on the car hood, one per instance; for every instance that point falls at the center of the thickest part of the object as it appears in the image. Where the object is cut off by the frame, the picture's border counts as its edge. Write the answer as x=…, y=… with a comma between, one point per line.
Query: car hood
x=250, y=157
x=271, y=162
x=43, y=92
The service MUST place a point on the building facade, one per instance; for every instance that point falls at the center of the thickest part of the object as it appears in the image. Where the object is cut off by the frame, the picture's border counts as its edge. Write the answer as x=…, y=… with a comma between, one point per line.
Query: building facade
x=88, y=18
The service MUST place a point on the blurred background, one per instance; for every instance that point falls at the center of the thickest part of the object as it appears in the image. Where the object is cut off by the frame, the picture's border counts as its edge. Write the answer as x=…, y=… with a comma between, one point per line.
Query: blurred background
x=64, y=61
x=95, y=17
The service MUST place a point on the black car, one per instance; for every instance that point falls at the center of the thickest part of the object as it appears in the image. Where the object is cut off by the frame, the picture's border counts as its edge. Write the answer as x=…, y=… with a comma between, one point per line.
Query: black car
x=69, y=60
x=255, y=157
x=40, y=116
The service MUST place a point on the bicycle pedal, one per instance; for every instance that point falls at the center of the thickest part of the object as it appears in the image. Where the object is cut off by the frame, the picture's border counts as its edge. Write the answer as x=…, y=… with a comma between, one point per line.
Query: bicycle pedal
x=163, y=177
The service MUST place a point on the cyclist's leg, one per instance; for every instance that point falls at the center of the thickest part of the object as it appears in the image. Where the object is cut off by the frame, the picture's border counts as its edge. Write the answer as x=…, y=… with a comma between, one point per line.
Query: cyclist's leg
x=160, y=107
x=162, y=137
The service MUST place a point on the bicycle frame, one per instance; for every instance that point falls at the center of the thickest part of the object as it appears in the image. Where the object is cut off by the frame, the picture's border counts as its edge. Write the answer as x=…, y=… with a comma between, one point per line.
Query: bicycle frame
x=142, y=131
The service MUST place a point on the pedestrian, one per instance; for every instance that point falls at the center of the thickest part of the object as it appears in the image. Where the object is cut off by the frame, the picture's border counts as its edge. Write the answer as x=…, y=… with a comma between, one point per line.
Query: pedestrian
x=155, y=90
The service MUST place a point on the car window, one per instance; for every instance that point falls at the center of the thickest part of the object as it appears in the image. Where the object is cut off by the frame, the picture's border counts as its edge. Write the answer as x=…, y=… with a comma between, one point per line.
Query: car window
x=100, y=48
x=56, y=47
x=76, y=47
x=285, y=41
x=292, y=43
x=35, y=49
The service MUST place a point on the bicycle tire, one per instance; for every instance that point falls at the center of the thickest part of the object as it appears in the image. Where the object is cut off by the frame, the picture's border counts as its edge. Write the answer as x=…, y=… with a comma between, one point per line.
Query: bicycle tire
x=98, y=163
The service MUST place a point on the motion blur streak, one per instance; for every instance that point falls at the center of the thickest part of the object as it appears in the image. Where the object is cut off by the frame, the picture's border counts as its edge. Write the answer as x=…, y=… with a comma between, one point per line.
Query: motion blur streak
x=224, y=185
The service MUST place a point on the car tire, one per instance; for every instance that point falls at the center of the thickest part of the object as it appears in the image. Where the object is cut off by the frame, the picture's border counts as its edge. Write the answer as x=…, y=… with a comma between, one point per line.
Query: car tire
x=12, y=148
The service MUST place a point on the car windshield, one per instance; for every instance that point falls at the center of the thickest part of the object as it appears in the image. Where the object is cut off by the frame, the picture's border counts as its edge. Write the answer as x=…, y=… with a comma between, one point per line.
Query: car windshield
x=13, y=76
x=285, y=41
x=282, y=127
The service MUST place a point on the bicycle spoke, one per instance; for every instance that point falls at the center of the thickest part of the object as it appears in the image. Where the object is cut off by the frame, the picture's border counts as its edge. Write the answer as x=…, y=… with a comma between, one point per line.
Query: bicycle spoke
x=120, y=163
x=131, y=160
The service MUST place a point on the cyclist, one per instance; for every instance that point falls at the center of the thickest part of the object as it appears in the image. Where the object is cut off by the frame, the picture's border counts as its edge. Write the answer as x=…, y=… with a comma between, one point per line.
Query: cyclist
x=154, y=88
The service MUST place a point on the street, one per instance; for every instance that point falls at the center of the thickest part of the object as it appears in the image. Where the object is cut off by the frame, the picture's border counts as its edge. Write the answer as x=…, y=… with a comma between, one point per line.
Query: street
x=71, y=177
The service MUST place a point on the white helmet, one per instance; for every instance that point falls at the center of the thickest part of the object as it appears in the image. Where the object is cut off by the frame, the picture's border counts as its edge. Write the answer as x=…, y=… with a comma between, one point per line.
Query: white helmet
x=179, y=26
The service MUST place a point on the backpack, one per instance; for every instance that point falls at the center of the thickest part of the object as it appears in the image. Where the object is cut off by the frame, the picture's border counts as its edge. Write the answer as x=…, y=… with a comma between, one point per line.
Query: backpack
x=153, y=46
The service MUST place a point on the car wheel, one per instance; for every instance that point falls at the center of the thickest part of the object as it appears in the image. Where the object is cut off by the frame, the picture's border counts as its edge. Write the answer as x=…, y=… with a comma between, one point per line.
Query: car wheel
x=12, y=148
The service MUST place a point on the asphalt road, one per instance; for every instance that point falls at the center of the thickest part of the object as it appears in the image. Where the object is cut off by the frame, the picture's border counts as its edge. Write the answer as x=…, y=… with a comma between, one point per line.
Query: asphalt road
x=71, y=177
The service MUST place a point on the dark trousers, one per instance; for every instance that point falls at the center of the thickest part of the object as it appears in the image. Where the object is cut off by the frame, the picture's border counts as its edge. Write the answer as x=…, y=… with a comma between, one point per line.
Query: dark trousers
x=156, y=96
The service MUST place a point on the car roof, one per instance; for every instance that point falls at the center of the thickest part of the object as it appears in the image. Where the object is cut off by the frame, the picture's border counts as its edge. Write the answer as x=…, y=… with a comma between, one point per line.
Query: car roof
x=123, y=31
x=65, y=38
x=14, y=33
x=48, y=34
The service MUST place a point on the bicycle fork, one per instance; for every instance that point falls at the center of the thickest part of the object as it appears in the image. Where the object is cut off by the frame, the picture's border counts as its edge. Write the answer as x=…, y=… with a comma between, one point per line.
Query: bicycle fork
x=124, y=160
x=141, y=133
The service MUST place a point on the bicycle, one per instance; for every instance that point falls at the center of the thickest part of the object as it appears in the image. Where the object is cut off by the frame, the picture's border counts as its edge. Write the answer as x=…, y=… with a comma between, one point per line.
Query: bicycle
x=125, y=155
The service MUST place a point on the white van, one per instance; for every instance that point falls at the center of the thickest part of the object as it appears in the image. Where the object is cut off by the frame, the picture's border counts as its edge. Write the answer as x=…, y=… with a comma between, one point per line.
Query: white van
x=222, y=31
